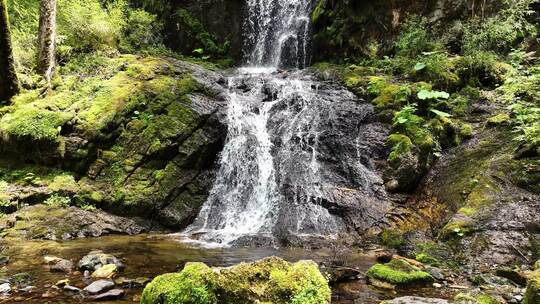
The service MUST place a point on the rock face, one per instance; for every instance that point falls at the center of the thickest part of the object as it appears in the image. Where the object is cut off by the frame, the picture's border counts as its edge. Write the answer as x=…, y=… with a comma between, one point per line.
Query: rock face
x=269, y=280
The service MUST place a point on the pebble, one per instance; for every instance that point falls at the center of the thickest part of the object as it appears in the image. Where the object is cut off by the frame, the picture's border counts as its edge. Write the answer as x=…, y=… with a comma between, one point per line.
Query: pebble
x=72, y=288
x=437, y=285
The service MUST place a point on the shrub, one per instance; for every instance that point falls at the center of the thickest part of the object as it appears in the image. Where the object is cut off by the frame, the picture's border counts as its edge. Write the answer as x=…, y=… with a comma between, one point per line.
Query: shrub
x=415, y=38
x=142, y=31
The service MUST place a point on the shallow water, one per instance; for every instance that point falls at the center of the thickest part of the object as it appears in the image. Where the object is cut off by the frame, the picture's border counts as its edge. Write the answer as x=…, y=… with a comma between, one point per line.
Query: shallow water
x=151, y=255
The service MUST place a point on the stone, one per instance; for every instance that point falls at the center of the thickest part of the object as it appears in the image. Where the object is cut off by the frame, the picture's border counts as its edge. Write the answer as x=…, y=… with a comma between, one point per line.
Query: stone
x=513, y=275
x=132, y=283
x=62, y=265
x=99, y=286
x=49, y=260
x=340, y=274
x=98, y=258
x=5, y=288
x=4, y=260
x=415, y=300
x=112, y=294
x=106, y=272
x=72, y=289
x=435, y=272
x=62, y=283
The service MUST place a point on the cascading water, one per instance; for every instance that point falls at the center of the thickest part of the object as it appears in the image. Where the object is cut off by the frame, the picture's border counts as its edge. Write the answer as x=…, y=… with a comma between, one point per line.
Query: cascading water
x=270, y=184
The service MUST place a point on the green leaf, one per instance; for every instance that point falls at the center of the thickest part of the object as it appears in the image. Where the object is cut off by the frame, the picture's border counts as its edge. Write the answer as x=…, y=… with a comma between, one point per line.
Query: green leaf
x=198, y=51
x=402, y=120
x=419, y=66
x=441, y=113
x=425, y=95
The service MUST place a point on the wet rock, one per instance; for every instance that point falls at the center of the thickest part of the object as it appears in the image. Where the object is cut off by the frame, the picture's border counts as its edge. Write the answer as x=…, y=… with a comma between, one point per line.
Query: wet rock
x=435, y=272
x=415, y=300
x=340, y=274
x=5, y=288
x=105, y=272
x=62, y=265
x=73, y=289
x=513, y=275
x=113, y=294
x=132, y=283
x=96, y=259
x=62, y=283
x=27, y=289
x=4, y=260
x=99, y=286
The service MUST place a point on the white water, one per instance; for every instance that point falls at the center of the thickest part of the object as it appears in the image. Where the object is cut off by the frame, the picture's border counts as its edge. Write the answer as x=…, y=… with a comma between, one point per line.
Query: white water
x=261, y=189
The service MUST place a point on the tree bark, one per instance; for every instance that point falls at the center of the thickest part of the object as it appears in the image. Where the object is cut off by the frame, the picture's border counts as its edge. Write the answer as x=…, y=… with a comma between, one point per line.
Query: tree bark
x=47, y=39
x=9, y=85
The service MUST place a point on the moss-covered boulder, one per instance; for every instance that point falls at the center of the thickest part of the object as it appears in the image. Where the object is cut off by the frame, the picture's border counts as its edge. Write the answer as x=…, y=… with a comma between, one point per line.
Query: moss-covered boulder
x=271, y=280
x=532, y=295
x=399, y=272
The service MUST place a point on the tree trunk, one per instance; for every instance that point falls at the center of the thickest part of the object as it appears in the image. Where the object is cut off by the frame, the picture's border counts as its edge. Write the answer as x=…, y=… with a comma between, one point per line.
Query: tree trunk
x=9, y=85
x=47, y=39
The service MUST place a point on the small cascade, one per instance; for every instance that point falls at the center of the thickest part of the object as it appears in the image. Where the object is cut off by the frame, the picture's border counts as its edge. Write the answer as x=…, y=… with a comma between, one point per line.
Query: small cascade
x=278, y=33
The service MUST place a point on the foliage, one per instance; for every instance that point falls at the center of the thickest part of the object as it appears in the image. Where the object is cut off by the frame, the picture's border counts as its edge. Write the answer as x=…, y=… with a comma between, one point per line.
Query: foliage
x=57, y=201
x=501, y=32
x=415, y=38
x=425, y=94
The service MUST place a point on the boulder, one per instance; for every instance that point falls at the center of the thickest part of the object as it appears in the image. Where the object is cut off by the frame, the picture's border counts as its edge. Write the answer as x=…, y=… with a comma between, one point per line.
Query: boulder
x=106, y=272
x=96, y=259
x=61, y=265
x=99, y=286
x=271, y=280
x=532, y=295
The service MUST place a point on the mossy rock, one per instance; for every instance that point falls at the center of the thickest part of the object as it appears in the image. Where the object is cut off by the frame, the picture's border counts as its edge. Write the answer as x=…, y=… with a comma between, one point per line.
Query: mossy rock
x=532, y=295
x=498, y=119
x=475, y=298
x=271, y=280
x=399, y=272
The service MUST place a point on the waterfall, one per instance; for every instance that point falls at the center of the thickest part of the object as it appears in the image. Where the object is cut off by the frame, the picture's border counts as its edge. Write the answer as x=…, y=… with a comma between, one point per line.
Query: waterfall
x=278, y=33
x=269, y=184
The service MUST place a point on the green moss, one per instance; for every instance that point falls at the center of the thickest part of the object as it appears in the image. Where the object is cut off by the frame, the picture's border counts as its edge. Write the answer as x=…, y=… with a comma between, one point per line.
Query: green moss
x=532, y=295
x=34, y=124
x=498, y=119
x=391, y=238
x=398, y=272
x=478, y=298
x=456, y=228
x=271, y=280
x=189, y=286
x=427, y=259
